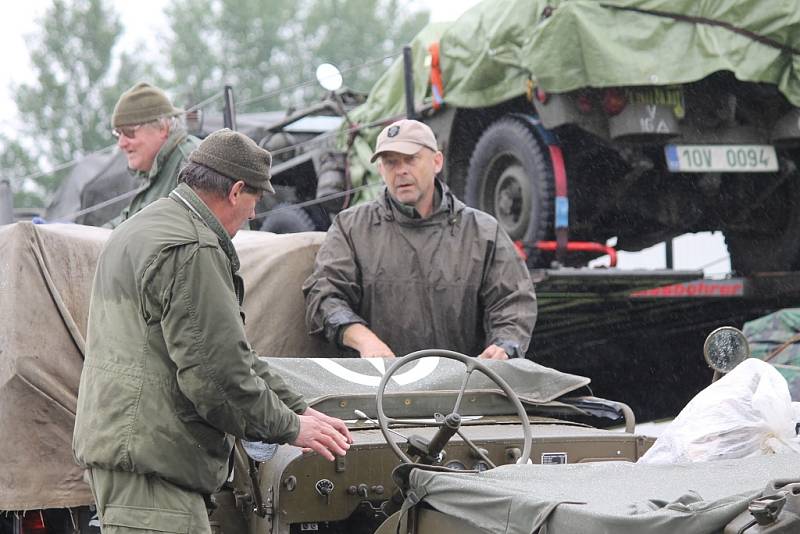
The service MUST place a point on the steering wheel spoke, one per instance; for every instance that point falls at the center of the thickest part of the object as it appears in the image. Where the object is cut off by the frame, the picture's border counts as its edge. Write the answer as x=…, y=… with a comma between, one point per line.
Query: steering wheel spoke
x=467, y=374
x=472, y=364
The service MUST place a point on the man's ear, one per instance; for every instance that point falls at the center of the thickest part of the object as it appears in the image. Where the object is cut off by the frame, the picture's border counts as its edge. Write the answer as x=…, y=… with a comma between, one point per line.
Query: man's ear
x=235, y=192
x=438, y=161
x=163, y=130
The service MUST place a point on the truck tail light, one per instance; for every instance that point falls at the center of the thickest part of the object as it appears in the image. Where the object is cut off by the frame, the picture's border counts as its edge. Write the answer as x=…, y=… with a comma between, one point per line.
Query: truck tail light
x=584, y=103
x=614, y=101
x=541, y=95
x=33, y=523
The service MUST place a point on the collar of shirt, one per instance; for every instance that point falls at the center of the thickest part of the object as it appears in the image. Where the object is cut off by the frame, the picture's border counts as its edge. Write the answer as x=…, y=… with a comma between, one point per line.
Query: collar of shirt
x=174, y=139
x=186, y=196
x=410, y=211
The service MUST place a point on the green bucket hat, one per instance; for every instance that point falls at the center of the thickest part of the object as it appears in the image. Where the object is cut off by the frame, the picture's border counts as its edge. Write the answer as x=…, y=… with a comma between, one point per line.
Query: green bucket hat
x=235, y=156
x=140, y=104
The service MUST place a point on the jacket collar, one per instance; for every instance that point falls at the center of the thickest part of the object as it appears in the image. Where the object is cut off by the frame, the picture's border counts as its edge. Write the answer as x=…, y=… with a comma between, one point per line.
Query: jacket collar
x=175, y=138
x=449, y=207
x=186, y=197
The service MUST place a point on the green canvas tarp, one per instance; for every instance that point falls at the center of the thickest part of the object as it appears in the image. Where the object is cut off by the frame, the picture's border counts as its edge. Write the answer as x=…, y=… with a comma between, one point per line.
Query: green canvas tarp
x=768, y=333
x=490, y=53
x=606, y=497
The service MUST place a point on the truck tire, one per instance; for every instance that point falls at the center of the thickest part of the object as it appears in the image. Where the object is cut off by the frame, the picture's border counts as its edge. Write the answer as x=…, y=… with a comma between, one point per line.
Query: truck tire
x=771, y=244
x=287, y=219
x=510, y=178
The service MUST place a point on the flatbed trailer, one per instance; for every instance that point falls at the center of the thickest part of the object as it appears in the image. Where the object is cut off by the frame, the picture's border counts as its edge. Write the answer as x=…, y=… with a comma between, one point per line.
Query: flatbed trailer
x=638, y=333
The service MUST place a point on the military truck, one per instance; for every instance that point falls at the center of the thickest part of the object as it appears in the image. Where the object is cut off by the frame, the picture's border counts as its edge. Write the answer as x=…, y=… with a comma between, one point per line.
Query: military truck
x=450, y=412
x=629, y=120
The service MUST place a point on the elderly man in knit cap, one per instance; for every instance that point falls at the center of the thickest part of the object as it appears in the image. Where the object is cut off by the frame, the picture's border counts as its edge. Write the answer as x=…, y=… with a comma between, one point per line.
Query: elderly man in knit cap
x=150, y=133
x=169, y=377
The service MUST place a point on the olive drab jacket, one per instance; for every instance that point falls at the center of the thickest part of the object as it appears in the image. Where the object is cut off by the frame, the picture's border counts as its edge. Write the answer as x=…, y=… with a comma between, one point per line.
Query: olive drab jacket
x=451, y=281
x=169, y=376
x=162, y=176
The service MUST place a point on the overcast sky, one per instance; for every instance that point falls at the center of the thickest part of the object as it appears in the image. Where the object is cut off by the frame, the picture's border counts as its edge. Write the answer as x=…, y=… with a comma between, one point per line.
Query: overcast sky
x=18, y=19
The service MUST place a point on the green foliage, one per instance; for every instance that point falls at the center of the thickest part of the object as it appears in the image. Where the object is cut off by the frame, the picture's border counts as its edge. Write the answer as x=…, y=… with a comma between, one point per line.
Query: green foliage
x=349, y=33
x=65, y=111
x=15, y=163
x=218, y=42
x=269, y=49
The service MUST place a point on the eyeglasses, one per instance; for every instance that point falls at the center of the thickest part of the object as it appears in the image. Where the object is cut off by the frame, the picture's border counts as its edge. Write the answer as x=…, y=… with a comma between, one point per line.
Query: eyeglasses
x=127, y=131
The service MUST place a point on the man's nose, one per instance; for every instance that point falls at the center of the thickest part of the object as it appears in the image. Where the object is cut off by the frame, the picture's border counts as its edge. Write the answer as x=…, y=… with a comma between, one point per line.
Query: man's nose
x=122, y=141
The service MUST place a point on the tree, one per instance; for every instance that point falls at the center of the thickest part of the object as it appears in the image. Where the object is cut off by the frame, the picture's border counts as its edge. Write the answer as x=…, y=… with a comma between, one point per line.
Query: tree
x=268, y=49
x=349, y=33
x=218, y=42
x=16, y=163
x=66, y=111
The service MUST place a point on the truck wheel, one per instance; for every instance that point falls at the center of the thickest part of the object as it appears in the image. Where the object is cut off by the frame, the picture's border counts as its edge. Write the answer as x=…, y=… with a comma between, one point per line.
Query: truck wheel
x=777, y=250
x=287, y=219
x=755, y=253
x=510, y=178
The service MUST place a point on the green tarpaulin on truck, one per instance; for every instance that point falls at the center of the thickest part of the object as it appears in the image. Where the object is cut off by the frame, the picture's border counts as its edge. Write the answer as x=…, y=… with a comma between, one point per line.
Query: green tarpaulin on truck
x=490, y=53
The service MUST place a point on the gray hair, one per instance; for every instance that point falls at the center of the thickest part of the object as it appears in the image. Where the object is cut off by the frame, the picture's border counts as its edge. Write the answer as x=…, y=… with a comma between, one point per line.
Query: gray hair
x=170, y=124
x=201, y=178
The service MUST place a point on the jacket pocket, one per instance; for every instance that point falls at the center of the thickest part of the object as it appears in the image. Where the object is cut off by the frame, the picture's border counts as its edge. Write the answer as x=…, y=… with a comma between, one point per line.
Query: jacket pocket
x=132, y=518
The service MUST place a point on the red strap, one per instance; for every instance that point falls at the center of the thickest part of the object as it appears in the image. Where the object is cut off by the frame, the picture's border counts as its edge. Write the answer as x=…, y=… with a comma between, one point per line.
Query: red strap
x=436, y=76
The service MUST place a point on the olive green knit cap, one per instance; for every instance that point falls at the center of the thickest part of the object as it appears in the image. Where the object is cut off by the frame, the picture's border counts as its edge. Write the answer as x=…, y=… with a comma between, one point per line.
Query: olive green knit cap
x=235, y=156
x=140, y=104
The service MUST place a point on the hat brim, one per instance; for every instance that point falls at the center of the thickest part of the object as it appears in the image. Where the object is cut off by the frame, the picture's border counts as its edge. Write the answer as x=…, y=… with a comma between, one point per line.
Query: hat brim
x=401, y=147
x=268, y=188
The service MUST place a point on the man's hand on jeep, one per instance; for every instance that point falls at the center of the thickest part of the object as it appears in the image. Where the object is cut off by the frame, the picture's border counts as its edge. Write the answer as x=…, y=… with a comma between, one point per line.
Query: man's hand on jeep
x=338, y=424
x=493, y=352
x=320, y=436
x=364, y=340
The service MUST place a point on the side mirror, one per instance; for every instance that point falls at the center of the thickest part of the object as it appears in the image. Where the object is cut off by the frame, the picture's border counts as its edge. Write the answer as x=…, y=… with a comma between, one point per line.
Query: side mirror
x=725, y=348
x=329, y=77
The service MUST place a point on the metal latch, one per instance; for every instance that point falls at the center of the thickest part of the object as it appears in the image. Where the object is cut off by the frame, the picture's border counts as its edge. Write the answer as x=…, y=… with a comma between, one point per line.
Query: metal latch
x=765, y=510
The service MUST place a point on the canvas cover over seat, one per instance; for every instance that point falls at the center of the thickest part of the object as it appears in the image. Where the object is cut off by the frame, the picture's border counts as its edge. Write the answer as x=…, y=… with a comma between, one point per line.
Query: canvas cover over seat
x=605, y=497
x=46, y=273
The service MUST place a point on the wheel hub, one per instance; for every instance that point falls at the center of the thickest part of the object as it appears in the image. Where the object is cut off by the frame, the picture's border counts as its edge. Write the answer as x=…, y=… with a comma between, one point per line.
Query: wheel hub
x=511, y=201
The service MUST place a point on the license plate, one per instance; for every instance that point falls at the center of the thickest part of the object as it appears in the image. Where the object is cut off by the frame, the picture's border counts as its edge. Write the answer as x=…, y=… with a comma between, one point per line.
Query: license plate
x=721, y=158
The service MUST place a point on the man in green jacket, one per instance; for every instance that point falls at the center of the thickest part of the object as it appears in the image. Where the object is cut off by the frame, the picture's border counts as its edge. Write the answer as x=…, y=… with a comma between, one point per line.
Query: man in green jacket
x=417, y=269
x=169, y=378
x=150, y=133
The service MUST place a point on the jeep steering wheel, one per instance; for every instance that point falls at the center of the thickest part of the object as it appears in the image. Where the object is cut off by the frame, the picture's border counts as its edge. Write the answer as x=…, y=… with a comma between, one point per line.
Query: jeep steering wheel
x=472, y=364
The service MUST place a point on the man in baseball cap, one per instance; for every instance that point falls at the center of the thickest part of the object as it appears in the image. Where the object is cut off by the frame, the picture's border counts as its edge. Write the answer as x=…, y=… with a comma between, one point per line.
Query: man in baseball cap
x=416, y=268
x=150, y=133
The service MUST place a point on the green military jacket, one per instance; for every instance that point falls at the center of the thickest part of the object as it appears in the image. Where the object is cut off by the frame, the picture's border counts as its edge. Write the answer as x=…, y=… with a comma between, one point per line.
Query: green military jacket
x=162, y=176
x=169, y=376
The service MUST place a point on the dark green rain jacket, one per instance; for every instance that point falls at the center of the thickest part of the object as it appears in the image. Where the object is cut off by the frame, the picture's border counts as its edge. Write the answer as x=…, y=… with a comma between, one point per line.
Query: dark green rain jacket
x=451, y=281
x=169, y=376
x=162, y=176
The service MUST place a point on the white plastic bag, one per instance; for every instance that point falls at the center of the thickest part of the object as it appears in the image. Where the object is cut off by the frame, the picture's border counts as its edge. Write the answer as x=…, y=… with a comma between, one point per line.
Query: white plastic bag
x=748, y=412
